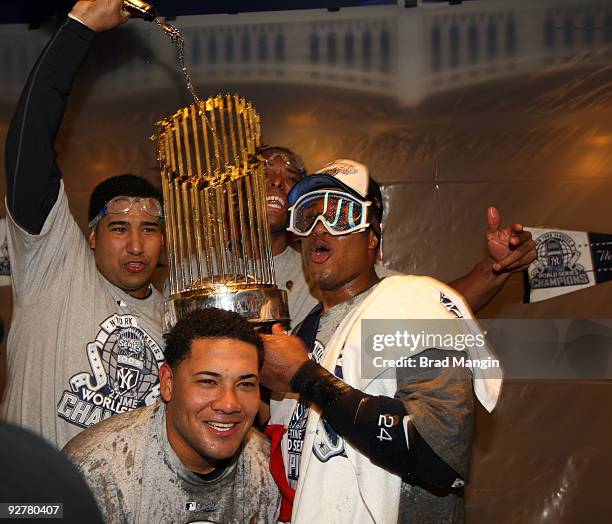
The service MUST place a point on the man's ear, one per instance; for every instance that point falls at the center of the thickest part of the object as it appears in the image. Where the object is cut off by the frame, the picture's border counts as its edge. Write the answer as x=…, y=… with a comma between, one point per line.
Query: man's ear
x=165, y=382
x=92, y=238
x=372, y=240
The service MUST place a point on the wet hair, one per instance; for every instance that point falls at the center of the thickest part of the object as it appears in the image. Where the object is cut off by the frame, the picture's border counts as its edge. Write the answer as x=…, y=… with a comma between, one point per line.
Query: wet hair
x=121, y=185
x=209, y=323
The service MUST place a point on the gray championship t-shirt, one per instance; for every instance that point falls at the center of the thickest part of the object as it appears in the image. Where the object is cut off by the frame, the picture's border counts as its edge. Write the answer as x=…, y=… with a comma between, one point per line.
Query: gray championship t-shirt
x=136, y=477
x=80, y=349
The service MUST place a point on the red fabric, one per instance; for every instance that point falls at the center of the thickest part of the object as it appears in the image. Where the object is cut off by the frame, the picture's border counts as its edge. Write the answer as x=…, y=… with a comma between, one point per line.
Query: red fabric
x=277, y=468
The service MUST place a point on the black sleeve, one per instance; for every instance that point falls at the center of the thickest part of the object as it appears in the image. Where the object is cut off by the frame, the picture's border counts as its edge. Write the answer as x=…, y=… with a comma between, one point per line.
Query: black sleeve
x=379, y=427
x=32, y=174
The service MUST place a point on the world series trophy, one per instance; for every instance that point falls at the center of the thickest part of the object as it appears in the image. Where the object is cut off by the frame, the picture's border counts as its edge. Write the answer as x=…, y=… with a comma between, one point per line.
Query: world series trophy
x=217, y=231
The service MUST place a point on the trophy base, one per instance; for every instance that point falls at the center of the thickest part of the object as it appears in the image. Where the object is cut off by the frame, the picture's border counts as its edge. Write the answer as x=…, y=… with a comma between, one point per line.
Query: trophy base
x=264, y=306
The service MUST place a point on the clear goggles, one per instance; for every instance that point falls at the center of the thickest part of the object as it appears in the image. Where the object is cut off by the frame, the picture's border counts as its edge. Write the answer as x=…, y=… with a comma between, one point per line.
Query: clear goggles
x=340, y=213
x=121, y=205
x=288, y=162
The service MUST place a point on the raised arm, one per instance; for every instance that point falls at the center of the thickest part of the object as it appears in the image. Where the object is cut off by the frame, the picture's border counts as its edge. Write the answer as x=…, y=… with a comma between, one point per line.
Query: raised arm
x=510, y=249
x=32, y=173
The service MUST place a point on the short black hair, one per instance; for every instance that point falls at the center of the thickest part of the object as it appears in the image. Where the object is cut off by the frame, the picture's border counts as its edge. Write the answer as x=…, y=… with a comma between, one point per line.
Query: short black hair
x=209, y=323
x=121, y=185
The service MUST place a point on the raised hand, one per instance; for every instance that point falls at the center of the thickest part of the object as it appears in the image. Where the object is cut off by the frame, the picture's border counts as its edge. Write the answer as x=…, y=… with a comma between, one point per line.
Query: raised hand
x=100, y=15
x=511, y=248
x=284, y=356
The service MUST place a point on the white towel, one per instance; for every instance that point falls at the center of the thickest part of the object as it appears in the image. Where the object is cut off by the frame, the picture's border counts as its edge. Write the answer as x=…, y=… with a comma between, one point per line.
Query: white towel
x=399, y=297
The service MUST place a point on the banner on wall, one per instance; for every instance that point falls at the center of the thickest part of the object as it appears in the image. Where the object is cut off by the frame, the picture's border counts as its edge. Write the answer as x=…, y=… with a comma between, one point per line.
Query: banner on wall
x=567, y=261
x=5, y=267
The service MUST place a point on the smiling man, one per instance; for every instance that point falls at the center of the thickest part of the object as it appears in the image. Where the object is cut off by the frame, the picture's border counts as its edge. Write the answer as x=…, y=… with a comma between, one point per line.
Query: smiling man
x=194, y=457
x=85, y=340
x=283, y=170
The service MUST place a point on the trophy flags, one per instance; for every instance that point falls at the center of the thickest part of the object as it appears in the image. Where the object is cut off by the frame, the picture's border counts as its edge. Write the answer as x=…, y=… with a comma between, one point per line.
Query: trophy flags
x=567, y=261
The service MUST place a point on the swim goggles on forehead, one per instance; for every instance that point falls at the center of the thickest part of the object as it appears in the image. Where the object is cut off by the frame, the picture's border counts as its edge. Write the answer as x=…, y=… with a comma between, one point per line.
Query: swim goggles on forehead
x=121, y=205
x=288, y=162
x=340, y=213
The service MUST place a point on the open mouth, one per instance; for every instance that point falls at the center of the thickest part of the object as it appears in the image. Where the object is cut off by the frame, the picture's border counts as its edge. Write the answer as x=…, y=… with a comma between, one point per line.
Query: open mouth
x=276, y=203
x=135, y=267
x=320, y=251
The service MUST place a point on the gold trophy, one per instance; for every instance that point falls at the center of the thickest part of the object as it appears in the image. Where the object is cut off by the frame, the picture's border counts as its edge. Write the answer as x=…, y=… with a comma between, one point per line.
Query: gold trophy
x=218, y=237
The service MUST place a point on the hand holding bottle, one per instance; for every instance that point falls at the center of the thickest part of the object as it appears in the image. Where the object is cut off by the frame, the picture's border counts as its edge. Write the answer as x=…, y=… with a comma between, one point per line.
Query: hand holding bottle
x=100, y=15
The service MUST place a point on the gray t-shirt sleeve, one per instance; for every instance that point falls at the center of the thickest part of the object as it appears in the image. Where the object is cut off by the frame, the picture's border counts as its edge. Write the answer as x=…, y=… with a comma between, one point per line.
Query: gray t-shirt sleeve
x=440, y=403
x=36, y=260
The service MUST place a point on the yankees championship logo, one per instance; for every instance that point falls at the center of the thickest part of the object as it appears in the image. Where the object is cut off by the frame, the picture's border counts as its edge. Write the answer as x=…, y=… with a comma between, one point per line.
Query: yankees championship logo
x=327, y=442
x=556, y=264
x=124, y=362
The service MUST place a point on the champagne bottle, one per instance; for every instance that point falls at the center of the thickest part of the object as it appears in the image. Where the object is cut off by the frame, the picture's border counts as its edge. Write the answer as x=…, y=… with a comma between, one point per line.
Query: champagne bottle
x=141, y=9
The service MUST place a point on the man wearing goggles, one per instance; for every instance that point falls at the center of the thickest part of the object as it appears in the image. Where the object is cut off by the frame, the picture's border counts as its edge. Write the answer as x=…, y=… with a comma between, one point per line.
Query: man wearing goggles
x=392, y=450
x=283, y=170
x=121, y=205
x=126, y=233
x=86, y=319
x=510, y=249
x=341, y=213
